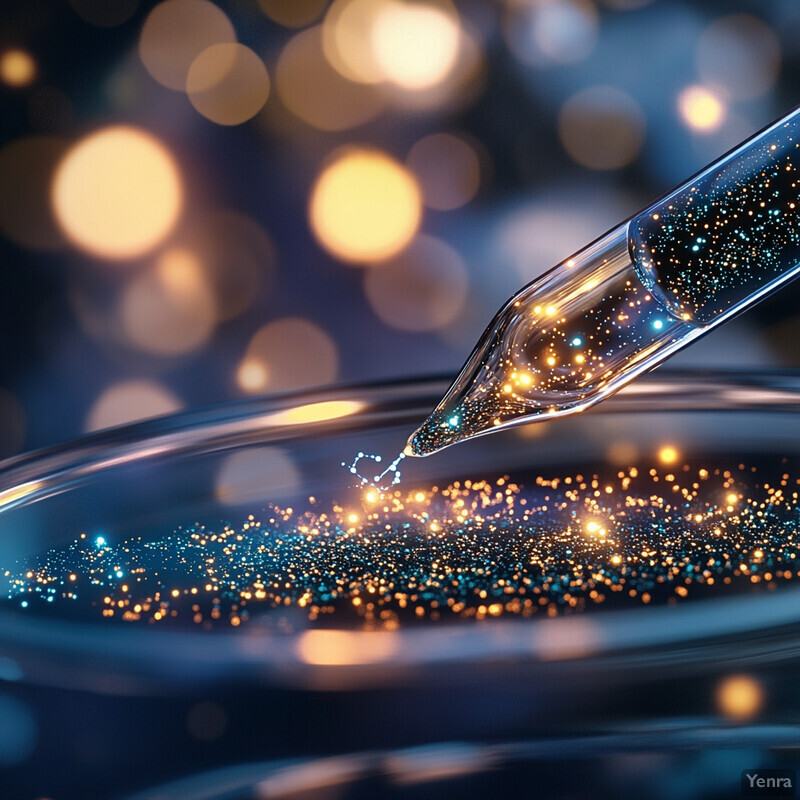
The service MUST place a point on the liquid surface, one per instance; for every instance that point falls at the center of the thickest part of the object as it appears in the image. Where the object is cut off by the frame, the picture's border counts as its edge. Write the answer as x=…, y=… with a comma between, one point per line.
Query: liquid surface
x=472, y=550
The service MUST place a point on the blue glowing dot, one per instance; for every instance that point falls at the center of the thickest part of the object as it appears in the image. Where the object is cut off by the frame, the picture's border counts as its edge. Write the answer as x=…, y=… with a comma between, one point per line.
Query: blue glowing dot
x=119, y=573
x=100, y=541
x=453, y=422
x=658, y=324
x=24, y=603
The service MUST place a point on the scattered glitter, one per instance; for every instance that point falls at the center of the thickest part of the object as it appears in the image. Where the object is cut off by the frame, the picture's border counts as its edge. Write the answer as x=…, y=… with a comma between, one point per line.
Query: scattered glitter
x=711, y=248
x=469, y=550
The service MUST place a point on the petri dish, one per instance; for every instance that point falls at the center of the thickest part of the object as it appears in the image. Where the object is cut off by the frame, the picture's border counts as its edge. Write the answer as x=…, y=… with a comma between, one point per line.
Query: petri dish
x=112, y=494
x=229, y=548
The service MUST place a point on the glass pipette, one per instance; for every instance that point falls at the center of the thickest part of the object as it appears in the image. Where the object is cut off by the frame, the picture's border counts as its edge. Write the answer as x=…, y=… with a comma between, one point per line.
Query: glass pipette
x=706, y=251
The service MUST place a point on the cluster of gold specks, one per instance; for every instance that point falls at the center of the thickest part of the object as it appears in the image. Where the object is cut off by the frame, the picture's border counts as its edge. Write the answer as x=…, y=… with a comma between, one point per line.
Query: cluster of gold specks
x=473, y=549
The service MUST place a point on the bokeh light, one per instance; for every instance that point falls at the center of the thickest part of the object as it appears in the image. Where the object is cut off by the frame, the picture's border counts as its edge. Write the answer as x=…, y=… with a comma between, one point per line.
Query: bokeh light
x=668, y=454
x=415, y=44
x=448, y=170
x=539, y=234
x=365, y=206
x=236, y=255
x=26, y=174
x=318, y=94
x=251, y=476
x=228, y=83
x=170, y=309
x=739, y=56
x=602, y=128
x=740, y=697
x=346, y=39
x=415, y=47
x=130, y=401
x=105, y=14
x=551, y=31
x=294, y=354
x=421, y=289
x=17, y=68
x=293, y=13
x=252, y=375
x=175, y=33
x=117, y=193
x=701, y=109
x=340, y=648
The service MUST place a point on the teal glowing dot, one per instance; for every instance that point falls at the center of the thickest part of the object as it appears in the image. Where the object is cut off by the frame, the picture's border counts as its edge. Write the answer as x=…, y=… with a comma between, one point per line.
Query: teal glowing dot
x=100, y=541
x=24, y=603
x=658, y=324
x=120, y=573
x=577, y=341
x=453, y=422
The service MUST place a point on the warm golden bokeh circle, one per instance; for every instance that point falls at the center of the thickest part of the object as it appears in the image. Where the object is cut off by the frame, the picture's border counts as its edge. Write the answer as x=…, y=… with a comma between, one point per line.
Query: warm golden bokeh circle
x=289, y=353
x=130, y=401
x=17, y=68
x=365, y=206
x=293, y=13
x=740, y=697
x=228, y=83
x=117, y=193
x=175, y=33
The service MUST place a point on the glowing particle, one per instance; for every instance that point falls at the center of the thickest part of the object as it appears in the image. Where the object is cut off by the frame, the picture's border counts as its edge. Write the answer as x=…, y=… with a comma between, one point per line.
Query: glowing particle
x=701, y=109
x=668, y=455
x=17, y=68
x=740, y=697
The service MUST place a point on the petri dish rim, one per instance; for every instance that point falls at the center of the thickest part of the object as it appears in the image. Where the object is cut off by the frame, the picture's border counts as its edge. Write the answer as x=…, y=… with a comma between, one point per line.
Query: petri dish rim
x=686, y=638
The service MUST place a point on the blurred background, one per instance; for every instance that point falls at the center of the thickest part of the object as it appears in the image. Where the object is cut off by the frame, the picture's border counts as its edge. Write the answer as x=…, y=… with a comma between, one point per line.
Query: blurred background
x=204, y=201
x=200, y=201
